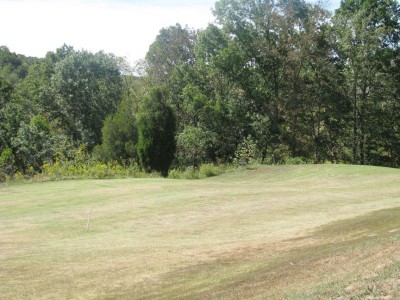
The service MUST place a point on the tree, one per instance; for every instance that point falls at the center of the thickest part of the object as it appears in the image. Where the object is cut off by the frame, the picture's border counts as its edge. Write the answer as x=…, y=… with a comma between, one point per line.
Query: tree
x=173, y=45
x=315, y=107
x=13, y=67
x=205, y=94
x=5, y=98
x=368, y=34
x=156, y=127
x=87, y=87
x=119, y=135
x=280, y=55
x=194, y=146
x=33, y=144
x=5, y=92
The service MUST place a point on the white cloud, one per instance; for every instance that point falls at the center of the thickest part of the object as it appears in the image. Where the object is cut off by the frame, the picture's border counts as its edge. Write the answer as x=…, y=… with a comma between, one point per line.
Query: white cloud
x=125, y=29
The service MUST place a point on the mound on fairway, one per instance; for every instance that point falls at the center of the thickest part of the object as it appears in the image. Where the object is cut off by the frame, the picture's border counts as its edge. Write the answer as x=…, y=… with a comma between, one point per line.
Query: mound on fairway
x=292, y=232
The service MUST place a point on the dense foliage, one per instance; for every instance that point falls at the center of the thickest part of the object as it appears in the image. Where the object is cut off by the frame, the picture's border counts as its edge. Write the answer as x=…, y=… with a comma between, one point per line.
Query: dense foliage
x=156, y=128
x=269, y=82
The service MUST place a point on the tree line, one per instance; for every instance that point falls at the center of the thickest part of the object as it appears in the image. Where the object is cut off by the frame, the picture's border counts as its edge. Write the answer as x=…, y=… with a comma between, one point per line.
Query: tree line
x=269, y=81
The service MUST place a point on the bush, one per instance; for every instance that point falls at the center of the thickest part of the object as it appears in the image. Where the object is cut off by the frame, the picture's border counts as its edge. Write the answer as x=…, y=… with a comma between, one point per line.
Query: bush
x=83, y=166
x=174, y=174
x=3, y=177
x=210, y=170
x=76, y=169
x=298, y=161
x=280, y=155
x=245, y=152
x=119, y=137
x=7, y=162
x=191, y=173
x=193, y=145
x=204, y=171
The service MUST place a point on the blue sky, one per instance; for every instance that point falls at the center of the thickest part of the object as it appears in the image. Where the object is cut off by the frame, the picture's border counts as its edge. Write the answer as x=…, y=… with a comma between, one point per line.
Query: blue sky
x=123, y=27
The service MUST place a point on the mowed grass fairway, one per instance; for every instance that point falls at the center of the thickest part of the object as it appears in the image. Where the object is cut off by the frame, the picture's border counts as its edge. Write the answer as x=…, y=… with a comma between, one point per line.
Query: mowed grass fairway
x=291, y=232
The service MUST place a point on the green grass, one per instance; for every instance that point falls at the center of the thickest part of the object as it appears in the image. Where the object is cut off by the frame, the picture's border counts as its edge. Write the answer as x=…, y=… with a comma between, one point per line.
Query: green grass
x=291, y=232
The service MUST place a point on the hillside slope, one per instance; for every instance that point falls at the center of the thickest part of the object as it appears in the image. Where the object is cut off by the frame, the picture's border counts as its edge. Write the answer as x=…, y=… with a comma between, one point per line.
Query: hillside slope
x=290, y=232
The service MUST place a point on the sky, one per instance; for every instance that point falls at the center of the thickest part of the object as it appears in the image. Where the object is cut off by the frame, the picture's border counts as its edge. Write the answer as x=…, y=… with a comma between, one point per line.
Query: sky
x=123, y=27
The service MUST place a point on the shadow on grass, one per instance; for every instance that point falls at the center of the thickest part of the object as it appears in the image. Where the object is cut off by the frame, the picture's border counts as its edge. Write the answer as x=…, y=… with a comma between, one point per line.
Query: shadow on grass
x=348, y=259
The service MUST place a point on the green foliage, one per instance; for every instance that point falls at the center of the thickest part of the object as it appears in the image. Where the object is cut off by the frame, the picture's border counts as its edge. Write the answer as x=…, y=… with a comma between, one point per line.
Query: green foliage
x=188, y=173
x=246, y=152
x=156, y=127
x=210, y=170
x=193, y=146
x=90, y=168
x=88, y=87
x=194, y=105
x=298, y=161
x=5, y=92
x=13, y=67
x=204, y=171
x=7, y=162
x=119, y=136
x=173, y=45
x=280, y=155
x=368, y=34
x=210, y=42
x=260, y=128
x=273, y=82
x=5, y=98
x=33, y=143
x=83, y=165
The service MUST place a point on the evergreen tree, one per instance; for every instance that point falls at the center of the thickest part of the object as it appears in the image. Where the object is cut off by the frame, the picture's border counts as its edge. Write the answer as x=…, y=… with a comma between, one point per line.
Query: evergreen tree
x=156, y=127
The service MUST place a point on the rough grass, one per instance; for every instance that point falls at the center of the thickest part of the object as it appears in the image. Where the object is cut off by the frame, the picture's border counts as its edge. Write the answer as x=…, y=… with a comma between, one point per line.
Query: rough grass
x=291, y=232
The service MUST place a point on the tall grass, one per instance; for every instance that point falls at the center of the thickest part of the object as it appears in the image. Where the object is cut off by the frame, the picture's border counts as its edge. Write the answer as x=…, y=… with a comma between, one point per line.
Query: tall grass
x=70, y=169
x=88, y=169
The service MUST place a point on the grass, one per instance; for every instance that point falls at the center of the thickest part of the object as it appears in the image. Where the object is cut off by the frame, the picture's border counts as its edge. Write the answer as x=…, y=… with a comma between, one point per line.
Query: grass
x=276, y=232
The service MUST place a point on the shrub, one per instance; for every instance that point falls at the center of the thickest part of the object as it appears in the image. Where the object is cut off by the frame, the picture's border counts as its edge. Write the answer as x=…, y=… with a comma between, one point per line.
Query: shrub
x=174, y=174
x=204, y=171
x=79, y=169
x=280, y=155
x=245, y=152
x=298, y=161
x=7, y=162
x=193, y=145
x=3, y=177
x=209, y=170
x=191, y=173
